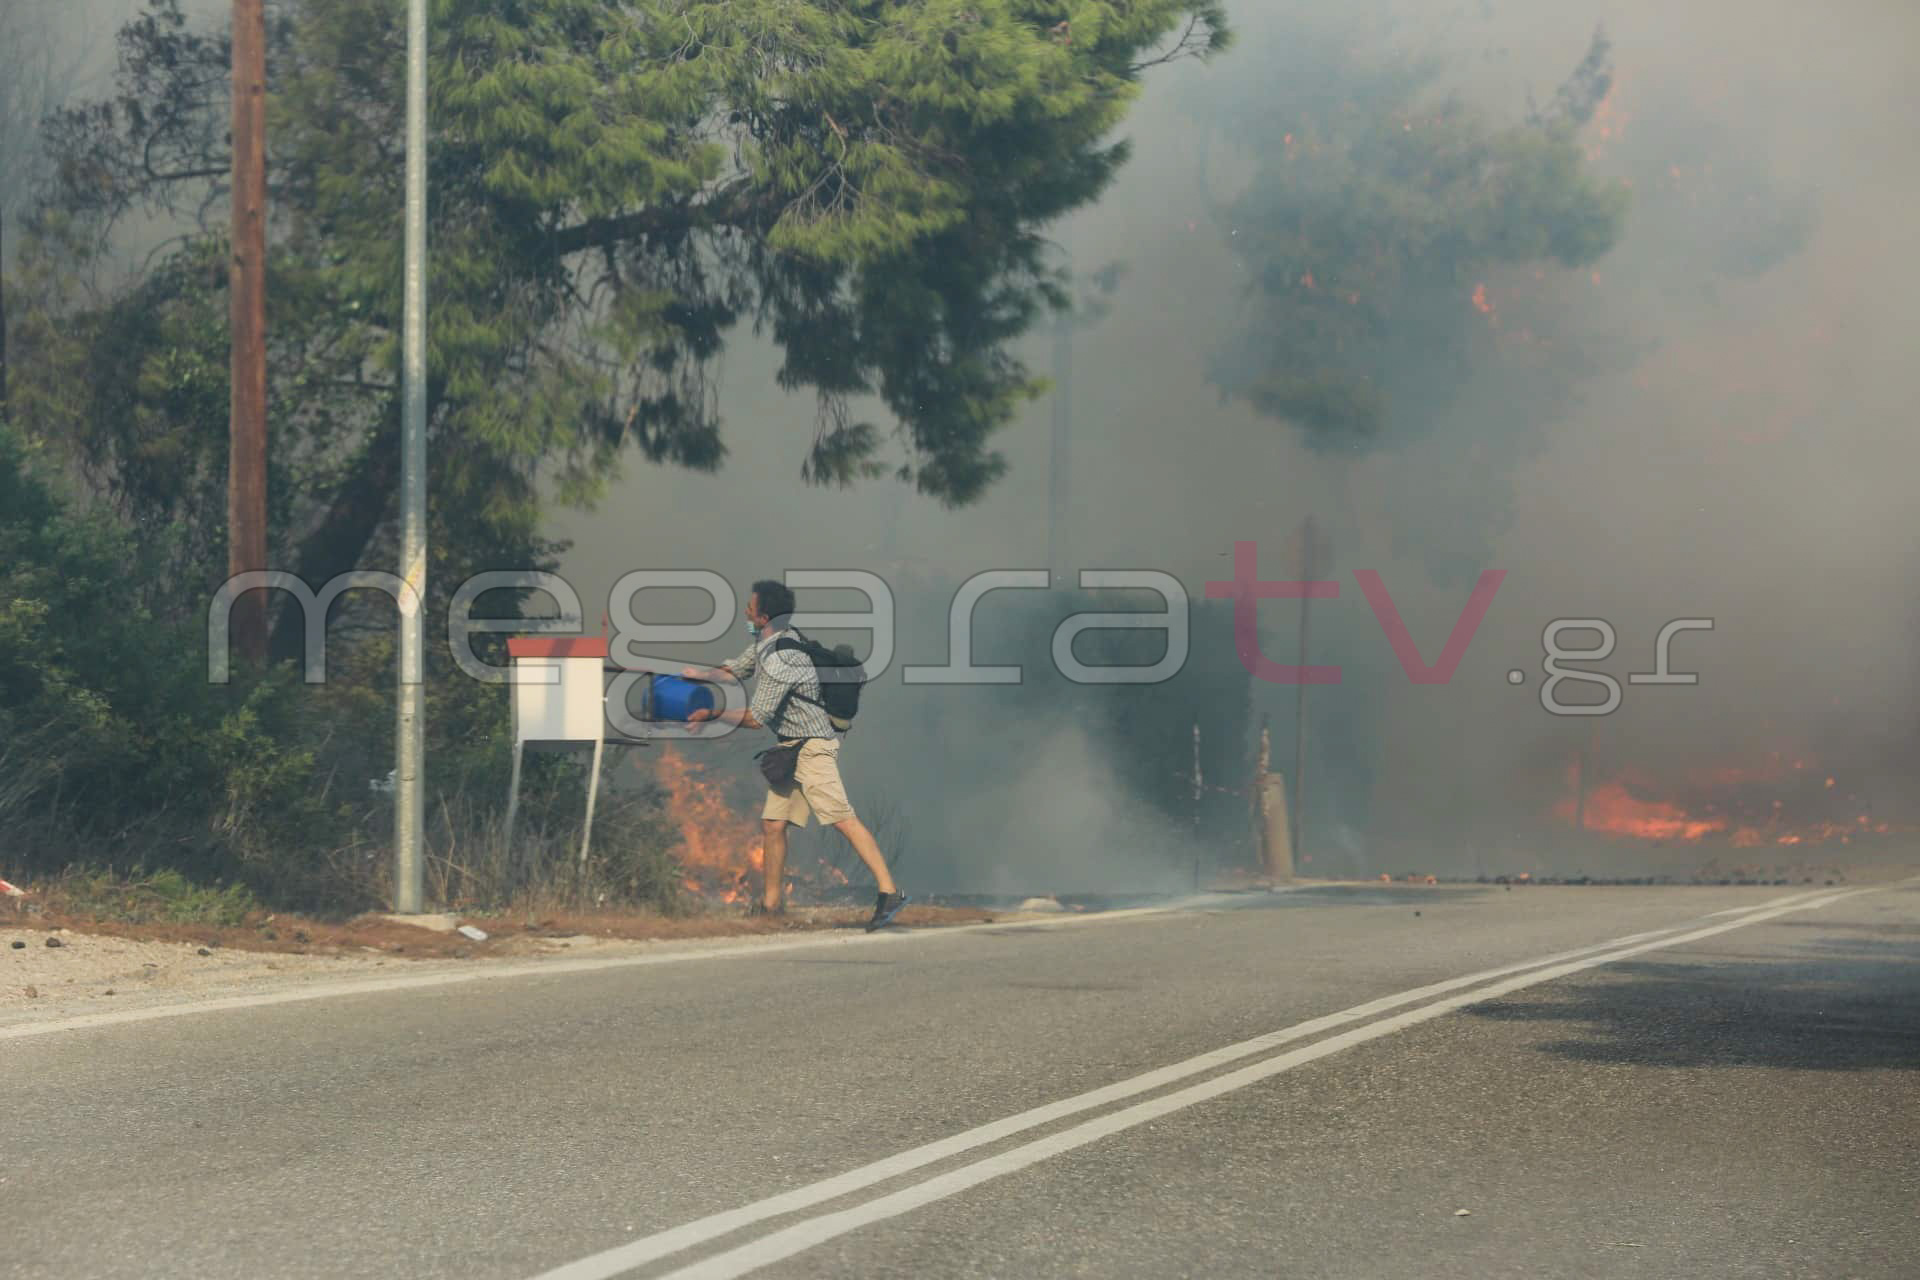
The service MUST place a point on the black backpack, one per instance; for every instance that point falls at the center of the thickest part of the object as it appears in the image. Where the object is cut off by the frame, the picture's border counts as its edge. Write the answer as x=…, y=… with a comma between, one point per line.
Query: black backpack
x=841, y=677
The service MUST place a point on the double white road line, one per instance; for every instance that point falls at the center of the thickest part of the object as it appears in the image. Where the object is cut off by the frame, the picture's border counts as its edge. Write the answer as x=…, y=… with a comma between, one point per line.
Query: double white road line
x=1428, y=1003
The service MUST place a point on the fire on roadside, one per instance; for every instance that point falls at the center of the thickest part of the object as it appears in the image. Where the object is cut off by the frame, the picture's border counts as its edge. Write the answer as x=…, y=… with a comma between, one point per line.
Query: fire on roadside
x=1781, y=801
x=720, y=849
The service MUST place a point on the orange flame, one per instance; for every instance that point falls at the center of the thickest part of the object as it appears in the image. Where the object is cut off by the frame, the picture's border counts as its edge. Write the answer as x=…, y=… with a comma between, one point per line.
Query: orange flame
x=1725, y=802
x=1611, y=807
x=720, y=847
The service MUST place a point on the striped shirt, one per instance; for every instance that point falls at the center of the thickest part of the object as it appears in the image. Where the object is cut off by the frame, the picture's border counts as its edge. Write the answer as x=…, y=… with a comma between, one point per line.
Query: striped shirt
x=779, y=672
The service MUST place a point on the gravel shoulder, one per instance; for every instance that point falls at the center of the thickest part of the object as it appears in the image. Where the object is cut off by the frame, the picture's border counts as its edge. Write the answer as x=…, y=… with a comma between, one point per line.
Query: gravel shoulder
x=54, y=968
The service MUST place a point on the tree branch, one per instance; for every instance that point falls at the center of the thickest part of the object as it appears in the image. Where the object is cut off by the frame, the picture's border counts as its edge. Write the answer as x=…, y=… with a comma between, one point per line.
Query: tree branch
x=1184, y=47
x=735, y=208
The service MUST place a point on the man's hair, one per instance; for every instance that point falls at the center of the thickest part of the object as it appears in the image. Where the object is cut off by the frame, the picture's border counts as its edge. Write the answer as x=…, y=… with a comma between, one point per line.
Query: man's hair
x=776, y=598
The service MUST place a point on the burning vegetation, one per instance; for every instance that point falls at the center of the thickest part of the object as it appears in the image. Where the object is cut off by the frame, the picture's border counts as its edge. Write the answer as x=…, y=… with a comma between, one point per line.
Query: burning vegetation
x=719, y=848
x=1781, y=802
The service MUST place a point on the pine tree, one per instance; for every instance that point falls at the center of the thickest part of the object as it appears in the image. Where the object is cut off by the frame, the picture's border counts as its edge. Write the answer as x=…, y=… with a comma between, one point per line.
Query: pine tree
x=613, y=187
x=1377, y=206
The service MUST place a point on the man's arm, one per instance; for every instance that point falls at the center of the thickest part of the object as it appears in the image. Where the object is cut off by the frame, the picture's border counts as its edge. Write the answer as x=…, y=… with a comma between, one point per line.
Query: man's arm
x=741, y=667
x=743, y=717
x=737, y=669
x=779, y=674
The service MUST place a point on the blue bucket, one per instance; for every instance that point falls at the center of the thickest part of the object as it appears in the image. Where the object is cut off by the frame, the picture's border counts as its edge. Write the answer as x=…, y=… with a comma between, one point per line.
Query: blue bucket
x=675, y=698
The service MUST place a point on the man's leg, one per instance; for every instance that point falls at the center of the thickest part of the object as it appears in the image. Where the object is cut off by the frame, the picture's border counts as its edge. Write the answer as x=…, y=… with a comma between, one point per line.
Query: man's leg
x=784, y=807
x=869, y=850
x=818, y=773
x=773, y=855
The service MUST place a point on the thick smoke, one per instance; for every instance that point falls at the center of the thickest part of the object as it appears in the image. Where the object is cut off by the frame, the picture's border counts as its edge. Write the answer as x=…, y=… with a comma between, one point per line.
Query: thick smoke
x=1740, y=449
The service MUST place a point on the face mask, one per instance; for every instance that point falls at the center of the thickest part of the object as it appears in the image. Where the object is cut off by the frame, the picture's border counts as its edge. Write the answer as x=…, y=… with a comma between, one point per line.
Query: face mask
x=753, y=632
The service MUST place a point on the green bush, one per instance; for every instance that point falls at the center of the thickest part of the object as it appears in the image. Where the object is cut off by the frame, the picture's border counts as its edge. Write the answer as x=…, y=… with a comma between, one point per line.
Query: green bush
x=117, y=755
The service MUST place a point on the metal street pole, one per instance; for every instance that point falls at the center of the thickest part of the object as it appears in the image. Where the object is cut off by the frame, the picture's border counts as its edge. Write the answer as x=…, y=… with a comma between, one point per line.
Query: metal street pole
x=409, y=889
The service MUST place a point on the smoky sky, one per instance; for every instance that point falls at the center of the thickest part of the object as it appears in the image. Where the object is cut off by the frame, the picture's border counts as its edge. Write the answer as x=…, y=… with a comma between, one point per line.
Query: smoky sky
x=1743, y=452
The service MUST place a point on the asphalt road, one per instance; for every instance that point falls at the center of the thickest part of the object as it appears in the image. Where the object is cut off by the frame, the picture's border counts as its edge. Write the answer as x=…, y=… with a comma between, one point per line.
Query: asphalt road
x=1310, y=1084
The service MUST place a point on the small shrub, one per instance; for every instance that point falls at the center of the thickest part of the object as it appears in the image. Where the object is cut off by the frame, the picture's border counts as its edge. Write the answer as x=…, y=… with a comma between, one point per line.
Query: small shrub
x=165, y=897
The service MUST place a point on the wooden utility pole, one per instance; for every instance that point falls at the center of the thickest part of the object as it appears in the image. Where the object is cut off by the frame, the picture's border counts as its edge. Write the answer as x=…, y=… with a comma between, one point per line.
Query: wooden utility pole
x=247, y=302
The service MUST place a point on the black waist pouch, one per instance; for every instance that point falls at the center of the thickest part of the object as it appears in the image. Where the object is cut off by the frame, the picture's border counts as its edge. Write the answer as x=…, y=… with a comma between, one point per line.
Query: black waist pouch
x=778, y=763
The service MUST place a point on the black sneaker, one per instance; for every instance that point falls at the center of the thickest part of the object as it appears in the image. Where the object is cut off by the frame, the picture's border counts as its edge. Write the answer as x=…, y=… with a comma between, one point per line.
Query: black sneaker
x=885, y=908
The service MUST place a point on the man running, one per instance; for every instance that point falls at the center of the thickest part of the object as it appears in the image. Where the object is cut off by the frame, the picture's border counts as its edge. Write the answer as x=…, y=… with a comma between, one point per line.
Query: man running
x=786, y=700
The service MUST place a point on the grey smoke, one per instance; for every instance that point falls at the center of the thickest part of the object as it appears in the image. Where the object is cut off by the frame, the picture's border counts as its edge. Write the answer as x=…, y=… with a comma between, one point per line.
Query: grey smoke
x=1743, y=450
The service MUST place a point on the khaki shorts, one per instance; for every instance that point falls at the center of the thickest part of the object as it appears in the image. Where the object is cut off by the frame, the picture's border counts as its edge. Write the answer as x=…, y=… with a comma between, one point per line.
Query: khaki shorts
x=816, y=788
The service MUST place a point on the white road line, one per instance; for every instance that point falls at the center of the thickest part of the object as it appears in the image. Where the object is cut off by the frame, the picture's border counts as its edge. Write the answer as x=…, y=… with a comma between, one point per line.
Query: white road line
x=805, y=1235
x=488, y=972
x=663, y=1244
